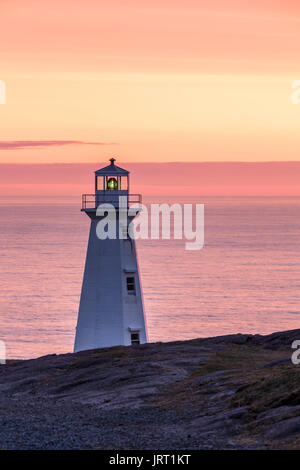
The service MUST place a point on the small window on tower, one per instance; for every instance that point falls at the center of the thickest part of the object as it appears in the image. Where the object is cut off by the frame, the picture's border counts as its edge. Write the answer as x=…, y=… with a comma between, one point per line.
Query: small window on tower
x=135, y=337
x=130, y=285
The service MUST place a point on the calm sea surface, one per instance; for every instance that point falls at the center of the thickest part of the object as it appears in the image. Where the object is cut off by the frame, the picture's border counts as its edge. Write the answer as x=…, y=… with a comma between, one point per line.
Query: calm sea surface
x=246, y=279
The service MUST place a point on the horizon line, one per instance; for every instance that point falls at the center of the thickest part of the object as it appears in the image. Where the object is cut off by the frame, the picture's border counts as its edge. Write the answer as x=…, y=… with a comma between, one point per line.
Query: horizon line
x=152, y=162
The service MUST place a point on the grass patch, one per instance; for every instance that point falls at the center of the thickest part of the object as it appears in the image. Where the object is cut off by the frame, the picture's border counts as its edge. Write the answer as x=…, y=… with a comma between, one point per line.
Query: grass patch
x=274, y=387
x=242, y=367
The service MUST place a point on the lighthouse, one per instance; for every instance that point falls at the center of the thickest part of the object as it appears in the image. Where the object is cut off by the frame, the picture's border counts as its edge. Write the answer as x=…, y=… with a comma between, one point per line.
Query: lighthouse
x=111, y=309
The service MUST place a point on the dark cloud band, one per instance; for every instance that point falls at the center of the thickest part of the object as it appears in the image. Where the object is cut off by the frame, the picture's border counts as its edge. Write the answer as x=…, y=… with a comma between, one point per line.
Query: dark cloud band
x=21, y=144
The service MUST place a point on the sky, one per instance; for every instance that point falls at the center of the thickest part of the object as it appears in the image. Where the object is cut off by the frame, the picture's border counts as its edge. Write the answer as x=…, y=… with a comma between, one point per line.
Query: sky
x=149, y=81
x=153, y=179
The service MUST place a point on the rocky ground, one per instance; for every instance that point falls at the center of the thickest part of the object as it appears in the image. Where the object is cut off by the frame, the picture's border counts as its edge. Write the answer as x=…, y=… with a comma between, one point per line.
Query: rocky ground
x=229, y=392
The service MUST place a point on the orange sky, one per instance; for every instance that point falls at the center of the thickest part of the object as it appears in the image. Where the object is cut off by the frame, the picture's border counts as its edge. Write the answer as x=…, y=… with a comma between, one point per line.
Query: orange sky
x=149, y=80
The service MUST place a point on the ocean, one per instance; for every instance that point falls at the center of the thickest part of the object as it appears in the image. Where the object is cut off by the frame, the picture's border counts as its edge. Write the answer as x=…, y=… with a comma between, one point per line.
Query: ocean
x=246, y=279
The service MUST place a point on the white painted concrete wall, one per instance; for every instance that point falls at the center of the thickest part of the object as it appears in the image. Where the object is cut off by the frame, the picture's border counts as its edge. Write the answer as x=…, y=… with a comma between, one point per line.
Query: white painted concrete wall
x=106, y=311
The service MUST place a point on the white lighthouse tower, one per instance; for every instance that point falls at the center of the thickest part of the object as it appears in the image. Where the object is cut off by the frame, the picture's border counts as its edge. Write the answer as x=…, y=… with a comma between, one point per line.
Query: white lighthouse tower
x=111, y=305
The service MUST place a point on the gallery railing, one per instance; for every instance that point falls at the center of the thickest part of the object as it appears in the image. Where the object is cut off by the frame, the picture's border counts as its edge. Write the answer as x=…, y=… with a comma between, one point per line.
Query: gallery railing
x=92, y=201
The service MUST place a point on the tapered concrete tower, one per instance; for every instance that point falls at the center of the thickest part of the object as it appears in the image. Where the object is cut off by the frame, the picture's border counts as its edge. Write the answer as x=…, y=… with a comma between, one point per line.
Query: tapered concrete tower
x=111, y=309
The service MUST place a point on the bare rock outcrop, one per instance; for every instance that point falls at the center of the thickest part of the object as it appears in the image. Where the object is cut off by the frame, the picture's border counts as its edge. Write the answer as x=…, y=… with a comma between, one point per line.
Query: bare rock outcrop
x=228, y=392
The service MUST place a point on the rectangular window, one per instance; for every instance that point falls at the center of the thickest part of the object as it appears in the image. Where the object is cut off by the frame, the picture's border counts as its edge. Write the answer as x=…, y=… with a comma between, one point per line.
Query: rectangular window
x=130, y=285
x=135, y=337
x=100, y=183
x=124, y=183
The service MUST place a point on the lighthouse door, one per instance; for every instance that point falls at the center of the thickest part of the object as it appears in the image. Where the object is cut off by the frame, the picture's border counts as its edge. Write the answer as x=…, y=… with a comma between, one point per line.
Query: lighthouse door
x=135, y=337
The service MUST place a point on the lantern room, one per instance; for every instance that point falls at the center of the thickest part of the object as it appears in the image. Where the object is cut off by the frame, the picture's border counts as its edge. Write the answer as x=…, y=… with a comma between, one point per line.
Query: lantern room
x=111, y=182
x=111, y=178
